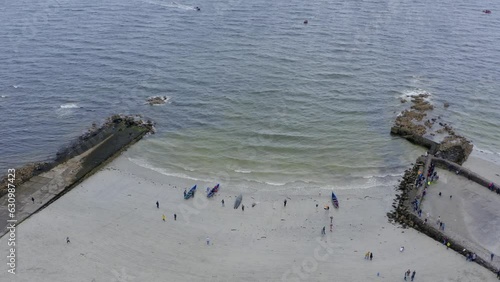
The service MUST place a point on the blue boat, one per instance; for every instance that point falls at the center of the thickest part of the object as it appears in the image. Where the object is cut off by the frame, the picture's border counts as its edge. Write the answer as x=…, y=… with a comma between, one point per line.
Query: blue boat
x=213, y=191
x=335, y=201
x=238, y=201
x=190, y=193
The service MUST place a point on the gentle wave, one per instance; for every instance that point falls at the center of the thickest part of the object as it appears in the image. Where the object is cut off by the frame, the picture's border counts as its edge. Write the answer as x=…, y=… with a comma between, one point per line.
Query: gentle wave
x=171, y=5
x=163, y=171
x=166, y=100
x=476, y=148
x=407, y=95
x=69, y=106
x=383, y=175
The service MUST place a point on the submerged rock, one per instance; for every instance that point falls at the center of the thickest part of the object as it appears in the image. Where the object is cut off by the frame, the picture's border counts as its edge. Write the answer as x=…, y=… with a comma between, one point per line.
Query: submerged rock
x=157, y=100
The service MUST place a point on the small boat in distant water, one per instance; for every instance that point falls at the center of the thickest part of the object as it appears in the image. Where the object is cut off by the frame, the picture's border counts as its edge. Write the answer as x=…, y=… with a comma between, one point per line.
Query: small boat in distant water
x=335, y=201
x=487, y=11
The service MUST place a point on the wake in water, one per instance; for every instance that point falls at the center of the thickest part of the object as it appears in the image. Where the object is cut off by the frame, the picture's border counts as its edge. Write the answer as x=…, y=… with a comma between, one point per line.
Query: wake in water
x=174, y=5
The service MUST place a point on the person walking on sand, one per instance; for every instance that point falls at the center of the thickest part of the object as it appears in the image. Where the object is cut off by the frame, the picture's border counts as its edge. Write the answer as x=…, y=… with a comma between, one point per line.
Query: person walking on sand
x=323, y=232
x=33, y=200
x=413, y=275
x=284, y=203
x=163, y=217
x=222, y=202
x=371, y=255
x=157, y=205
x=367, y=255
x=492, y=256
x=451, y=196
x=208, y=241
x=67, y=240
x=407, y=273
x=243, y=207
x=175, y=216
x=185, y=192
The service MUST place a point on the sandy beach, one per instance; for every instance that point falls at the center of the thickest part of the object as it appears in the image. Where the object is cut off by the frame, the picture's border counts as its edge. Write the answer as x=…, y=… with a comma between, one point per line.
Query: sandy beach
x=117, y=233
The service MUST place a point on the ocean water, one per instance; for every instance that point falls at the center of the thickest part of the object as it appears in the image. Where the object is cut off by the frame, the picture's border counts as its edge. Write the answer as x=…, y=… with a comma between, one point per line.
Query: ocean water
x=255, y=96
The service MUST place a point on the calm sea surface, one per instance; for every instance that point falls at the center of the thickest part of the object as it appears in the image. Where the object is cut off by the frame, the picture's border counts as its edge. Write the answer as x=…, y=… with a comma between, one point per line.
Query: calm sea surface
x=255, y=95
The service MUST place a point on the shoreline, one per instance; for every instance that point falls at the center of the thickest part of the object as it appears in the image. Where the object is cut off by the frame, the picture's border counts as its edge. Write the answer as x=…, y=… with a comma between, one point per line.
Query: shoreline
x=418, y=196
x=112, y=223
x=72, y=166
x=110, y=205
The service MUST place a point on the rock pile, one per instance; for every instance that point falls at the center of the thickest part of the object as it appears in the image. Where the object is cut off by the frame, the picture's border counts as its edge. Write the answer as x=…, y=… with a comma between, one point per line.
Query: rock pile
x=412, y=125
x=157, y=100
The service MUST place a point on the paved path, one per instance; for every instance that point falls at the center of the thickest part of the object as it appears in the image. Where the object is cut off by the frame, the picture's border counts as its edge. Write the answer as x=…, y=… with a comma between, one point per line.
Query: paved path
x=43, y=188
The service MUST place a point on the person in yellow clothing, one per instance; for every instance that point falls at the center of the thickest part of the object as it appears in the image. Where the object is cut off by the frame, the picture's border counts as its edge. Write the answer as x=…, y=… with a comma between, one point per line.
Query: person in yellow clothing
x=163, y=216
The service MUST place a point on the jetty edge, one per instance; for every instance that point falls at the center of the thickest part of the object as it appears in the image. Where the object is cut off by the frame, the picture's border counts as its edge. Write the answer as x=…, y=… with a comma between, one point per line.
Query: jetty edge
x=45, y=182
x=447, y=150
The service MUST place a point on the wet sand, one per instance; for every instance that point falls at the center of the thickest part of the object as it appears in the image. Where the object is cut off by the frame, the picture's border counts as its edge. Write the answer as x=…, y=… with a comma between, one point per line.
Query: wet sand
x=117, y=234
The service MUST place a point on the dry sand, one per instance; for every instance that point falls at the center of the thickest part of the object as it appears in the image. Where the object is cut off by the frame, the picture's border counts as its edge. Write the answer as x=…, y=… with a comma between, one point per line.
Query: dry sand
x=117, y=234
x=472, y=215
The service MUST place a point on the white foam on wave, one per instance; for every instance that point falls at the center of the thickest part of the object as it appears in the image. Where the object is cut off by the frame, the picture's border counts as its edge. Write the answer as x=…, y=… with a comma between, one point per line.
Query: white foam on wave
x=275, y=183
x=242, y=171
x=174, y=5
x=15, y=86
x=163, y=171
x=383, y=175
x=3, y=96
x=484, y=151
x=69, y=106
x=407, y=95
x=487, y=155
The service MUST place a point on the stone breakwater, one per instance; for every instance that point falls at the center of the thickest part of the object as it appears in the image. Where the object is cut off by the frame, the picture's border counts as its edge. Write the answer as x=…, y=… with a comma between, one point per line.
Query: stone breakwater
x=402, y=211
x=447, y=150
x=115, y=127
x=439, y=138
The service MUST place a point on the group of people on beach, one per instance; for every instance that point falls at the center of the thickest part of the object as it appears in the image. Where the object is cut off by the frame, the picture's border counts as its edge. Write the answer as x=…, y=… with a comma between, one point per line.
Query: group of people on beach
x=493, y=188
x=369, y=255
x=410, y=275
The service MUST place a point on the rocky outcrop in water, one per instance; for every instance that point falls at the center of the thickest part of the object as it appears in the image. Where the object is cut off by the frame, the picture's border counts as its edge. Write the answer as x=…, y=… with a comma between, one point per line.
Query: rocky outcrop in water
x=115, y=126
x=414, y=125
x=455, y=148
x=157, y=100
